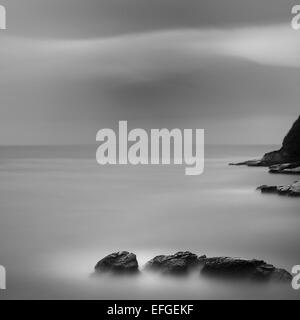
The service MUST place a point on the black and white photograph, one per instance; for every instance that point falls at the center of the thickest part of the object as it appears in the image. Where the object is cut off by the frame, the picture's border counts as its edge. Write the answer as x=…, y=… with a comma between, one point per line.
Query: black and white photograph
x=149, y=150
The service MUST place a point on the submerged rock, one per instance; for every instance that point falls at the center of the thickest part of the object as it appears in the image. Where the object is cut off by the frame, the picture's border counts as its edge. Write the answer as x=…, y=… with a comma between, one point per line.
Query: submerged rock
x=292, y=190
x=288, y=153
x=118, y=262
x=178, y=263
x=243, y=269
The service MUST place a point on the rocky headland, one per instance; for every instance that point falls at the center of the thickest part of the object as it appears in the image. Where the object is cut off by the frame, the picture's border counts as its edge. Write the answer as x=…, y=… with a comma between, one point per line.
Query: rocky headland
x=286, y=160
x=288, y=154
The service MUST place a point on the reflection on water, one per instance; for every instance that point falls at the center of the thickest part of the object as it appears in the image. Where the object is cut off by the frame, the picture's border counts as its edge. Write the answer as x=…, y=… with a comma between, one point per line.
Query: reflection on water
x=60, y=215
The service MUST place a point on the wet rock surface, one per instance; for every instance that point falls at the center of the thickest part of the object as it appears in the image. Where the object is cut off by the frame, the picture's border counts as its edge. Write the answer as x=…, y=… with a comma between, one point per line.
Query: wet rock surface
x=182, y=262
x=118, y=262
x=178, y=263
x=243, y=269
x=292, y=190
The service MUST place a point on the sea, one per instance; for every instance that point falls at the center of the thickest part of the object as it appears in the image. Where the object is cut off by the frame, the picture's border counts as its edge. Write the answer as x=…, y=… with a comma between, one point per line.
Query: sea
x=61, y=212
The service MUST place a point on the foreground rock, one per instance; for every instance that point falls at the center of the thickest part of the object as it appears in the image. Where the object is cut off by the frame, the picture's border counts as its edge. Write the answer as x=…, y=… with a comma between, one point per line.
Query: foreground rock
x=119, y=262
x=178, y=263
x=237, y=268
x=292, y=190
x=181, y=262
x=288, y=153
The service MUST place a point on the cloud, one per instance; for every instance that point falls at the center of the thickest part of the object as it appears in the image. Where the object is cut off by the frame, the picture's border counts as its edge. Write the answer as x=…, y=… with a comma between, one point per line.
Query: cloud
x=142, y=56
x=170, y=76
x=276, y=45
x=93, y=18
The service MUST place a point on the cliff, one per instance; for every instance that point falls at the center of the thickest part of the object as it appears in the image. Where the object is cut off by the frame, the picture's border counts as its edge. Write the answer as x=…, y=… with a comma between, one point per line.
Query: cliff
x=288, y=153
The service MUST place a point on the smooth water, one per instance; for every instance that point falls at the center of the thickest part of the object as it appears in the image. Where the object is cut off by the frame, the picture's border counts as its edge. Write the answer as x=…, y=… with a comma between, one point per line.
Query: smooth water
x=60, y=212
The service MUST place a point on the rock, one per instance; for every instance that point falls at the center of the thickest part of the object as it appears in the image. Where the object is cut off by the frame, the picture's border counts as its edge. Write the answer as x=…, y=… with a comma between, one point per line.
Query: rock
x=118, y=262
x=287, y=168
x=267, y=189
x=238, y=268
x=291, y=143
x=292, y=190
x=178, y=263
x=249, y=163
x=289, y=152
x=201, y=259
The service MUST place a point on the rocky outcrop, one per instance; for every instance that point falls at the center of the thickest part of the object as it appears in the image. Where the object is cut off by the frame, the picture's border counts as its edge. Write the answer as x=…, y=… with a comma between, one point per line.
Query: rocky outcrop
x=291, y=144
x=119, y=262
x=237, y=268
x=249, y=163
x=289, y=152
x=181, y=263
x=292, y=190
x=178, y=263
x=287, y=168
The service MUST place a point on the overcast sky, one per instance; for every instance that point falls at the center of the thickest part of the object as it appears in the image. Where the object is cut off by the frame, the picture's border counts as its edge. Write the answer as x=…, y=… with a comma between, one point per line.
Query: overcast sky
x=72, y=67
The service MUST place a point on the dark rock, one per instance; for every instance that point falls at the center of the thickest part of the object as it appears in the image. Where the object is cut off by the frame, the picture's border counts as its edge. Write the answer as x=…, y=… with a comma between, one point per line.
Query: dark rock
x=178, y=263
x=202, y=259
x=267, y=189
x=237, y=268
x=291, y=143
x=118, y=262
x=249, y=163
x=289, y=152
x=287, y=168
x=281, y=275
x=292, y=190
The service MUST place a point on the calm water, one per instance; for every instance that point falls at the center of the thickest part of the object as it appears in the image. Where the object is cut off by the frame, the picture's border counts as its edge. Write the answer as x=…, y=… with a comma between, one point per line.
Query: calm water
x=60, y=213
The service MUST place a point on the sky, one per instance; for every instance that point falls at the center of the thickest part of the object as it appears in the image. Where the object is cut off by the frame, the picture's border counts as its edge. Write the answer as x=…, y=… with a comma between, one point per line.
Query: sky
x=72, y=67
